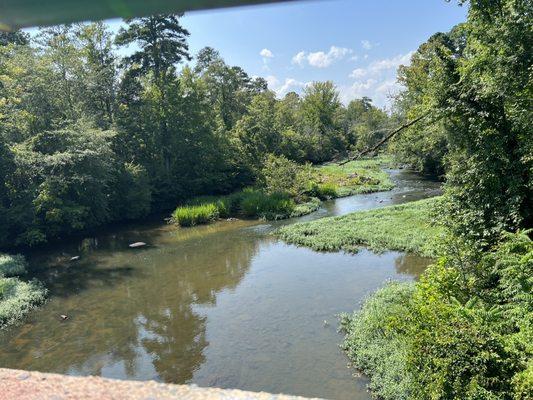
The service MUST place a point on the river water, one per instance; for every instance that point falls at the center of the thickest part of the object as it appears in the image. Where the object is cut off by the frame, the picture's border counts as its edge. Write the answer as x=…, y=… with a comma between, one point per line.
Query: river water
x=224, y=305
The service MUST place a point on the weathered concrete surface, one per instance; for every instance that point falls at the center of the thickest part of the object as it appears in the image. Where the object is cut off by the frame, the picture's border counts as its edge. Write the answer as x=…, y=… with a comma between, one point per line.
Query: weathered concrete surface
x=24, y=385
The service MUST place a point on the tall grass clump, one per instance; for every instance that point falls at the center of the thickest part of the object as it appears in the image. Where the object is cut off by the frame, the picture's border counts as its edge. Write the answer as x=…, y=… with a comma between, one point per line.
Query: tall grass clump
x=17, y=298
x=12, y=265
x=256, y=203
x=190, y=215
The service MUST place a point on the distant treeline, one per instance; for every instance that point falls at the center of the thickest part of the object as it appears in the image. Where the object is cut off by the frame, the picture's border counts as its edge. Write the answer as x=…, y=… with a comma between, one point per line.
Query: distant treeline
x=88, y=137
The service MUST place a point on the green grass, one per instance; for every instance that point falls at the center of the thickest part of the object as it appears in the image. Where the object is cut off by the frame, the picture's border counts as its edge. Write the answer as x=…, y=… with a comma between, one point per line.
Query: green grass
x=255, y=203
x=308, y=207
x=17, y=298
x=12, y=265
x=329, y=181
x=406, y=227
x=249, y=203
x=195, y=214
x=355, y=177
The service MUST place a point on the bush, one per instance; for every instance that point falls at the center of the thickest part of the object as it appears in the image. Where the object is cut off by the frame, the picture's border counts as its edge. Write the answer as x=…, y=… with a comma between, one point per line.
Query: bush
x=12, y=265
x=195, y=214
x=281, y=175
x=17, y=298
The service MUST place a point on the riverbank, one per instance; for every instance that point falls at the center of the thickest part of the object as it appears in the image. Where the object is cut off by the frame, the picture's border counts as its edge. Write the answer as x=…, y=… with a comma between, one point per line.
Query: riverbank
x=407, y=227
x=320, y=183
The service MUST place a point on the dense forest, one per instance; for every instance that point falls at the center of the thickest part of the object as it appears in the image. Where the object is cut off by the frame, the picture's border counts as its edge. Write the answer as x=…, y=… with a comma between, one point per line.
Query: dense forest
x=88, y=137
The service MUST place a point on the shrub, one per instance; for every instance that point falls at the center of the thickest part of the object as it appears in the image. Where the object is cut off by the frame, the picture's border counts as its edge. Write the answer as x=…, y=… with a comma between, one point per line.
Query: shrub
x=195, y=214
x=281, y=175
x=17, y=298
x=12, y=265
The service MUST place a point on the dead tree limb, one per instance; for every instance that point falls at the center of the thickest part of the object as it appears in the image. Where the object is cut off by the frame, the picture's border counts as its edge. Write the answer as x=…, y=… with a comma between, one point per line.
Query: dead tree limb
x=385, y=139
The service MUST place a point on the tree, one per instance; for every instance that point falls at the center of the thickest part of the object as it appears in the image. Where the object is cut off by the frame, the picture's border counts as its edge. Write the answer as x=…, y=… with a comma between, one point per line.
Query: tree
x=162, y=42
x=100, y=74
x=319, y=108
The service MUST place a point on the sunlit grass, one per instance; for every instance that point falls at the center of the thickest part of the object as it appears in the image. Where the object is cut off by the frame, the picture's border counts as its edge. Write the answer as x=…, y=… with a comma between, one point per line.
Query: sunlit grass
x=355, y=177
x=407, y=227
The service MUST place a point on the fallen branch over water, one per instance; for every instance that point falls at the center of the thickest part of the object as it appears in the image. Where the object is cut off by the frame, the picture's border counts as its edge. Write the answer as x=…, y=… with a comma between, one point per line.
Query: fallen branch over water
x=384, y=140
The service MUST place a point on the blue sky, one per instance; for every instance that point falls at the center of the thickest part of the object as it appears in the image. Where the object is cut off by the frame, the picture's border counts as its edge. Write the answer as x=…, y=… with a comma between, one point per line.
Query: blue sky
x=357, y=44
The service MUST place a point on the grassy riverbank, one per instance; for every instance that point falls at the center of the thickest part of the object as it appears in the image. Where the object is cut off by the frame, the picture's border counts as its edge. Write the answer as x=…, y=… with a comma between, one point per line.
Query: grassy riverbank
x=406, y=227
x=17, y=297
x=292, y=197
x=354, y=177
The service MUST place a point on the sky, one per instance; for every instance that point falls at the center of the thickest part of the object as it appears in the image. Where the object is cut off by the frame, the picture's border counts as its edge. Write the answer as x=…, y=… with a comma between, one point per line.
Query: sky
x=357, y=44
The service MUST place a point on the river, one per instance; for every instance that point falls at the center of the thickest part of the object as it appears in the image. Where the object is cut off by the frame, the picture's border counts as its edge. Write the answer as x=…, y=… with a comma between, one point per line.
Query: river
x=223, y=305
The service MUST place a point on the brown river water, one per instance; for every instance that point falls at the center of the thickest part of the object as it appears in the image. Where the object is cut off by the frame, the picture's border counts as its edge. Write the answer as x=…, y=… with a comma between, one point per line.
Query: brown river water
x=224, y=305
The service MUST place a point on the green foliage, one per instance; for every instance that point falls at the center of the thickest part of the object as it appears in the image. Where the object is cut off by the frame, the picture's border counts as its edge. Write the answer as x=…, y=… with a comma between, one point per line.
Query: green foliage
x=195, y=214
x=324, y=191
x=255, y=203
x=279, y=174
x=475, y=83
x=464, y=330
x=17, y=298
x=12, y=265
x=376, y=344
x=305, y=208
x=407, y=227
x=88, y=137
x=354, y=177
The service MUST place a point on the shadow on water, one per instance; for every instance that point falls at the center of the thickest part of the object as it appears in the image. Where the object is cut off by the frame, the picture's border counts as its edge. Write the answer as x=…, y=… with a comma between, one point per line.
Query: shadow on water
x=223, y=305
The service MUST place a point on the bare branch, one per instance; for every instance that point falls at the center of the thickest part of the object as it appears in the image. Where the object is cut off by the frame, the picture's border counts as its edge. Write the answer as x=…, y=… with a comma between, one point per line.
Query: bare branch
x=385, y=139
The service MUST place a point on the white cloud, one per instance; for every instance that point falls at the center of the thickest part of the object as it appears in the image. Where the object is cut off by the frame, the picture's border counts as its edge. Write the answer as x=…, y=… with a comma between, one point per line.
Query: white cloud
x=358, y=73
x=321, y=59
x=377, y=80
x=266, y=53
x=299, y=58
x=281, y=89
x=366, y=44
x=375, y=68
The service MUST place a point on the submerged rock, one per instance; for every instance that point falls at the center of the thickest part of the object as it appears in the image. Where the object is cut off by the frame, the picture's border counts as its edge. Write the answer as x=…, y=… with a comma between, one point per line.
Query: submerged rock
x=137, y=244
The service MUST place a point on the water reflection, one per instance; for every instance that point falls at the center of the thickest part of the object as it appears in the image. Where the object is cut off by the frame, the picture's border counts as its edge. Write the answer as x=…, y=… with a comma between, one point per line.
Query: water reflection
x=221, y=305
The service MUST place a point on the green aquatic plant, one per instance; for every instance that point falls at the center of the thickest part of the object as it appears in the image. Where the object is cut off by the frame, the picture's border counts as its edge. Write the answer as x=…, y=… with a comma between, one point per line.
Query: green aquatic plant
x=256, y=203
x=17, y=298
x=406, y=227
x=12, y=265
x=191, y=215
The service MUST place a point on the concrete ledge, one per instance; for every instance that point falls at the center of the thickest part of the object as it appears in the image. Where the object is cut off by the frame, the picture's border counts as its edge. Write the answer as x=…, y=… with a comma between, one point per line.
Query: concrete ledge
x=26, y=385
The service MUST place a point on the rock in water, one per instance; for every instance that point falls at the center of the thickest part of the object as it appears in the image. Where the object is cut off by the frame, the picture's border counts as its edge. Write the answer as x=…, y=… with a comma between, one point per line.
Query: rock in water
x=137, y=244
